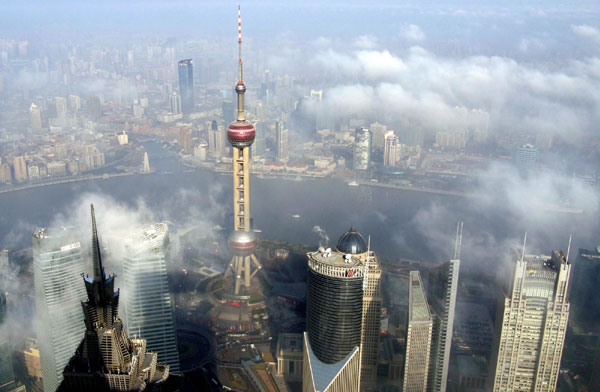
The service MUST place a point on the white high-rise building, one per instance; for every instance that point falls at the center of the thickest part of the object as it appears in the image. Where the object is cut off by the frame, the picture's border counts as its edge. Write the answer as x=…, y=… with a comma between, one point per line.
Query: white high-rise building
x=148, y=303
x=418, y=337
x=390, y=150
x=441, y=295
x=532, y=328
x=57, y=267
x=61, y=106
x=175, y=103
x=74, y=102
x=281, y=138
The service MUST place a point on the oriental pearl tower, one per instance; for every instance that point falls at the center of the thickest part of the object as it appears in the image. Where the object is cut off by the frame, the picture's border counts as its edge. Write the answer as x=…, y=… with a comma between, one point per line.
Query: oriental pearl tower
x=244, y=264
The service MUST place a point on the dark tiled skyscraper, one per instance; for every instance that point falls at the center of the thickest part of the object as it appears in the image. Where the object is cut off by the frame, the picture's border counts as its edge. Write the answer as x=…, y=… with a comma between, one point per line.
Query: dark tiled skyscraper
x=185, y=68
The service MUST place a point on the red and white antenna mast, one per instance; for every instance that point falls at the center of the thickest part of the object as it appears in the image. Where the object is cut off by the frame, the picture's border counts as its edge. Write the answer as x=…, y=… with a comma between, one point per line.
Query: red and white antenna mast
x=240, y=76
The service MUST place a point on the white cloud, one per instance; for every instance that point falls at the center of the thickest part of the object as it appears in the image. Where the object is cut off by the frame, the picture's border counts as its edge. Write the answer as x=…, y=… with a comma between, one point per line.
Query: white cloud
x=366, y=42
x=587, y=31
x=422, y=89
x=413, y=33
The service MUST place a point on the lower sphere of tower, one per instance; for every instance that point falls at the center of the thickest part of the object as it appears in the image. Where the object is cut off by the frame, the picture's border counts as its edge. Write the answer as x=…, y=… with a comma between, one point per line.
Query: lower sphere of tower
x=243, y=242
x=241, y=134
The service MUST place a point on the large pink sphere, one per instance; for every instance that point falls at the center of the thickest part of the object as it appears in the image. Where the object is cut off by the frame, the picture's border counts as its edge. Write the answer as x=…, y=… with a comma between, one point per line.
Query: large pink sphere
x=241, y=134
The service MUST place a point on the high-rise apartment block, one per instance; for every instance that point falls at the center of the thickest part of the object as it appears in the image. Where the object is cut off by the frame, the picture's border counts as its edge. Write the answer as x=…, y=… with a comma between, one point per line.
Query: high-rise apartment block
x=342, y=317
x=175, y=103
x=362, y=149
x=185, y=70
x=390, y=149
x=75, y=102
x=532, y=325
x=148, y=303
x=379, y=132
x=57, y=267
x=61, y=106
x=282, y=141
x=20, y=168
x=526, y=157
x=418, y=337
x=228, y=112
x=35, y=117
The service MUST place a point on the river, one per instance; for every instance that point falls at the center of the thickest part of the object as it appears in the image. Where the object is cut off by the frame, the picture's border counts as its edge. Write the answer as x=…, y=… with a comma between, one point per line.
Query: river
x=402, y=224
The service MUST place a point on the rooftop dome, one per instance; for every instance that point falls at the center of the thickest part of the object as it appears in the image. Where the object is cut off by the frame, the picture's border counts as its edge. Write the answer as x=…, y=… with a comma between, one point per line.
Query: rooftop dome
x=352, y=242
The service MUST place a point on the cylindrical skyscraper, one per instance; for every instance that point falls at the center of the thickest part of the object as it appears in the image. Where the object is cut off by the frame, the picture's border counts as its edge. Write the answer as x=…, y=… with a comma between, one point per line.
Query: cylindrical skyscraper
x=241, y=134
x=343, y=312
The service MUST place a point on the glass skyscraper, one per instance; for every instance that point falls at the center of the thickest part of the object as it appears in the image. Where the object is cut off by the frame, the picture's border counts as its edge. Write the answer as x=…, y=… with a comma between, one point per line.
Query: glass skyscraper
x=185, y=69
x=441, y=294
x=57, y=267
x=7, y=376
x=148, y=303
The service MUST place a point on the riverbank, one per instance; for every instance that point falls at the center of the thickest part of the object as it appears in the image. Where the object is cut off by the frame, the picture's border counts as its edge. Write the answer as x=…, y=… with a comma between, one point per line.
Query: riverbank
x=66, y=181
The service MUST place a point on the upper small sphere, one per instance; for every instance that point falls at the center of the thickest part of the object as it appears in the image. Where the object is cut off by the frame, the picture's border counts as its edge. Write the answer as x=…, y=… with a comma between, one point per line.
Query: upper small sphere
x=241, y=134
x=352, y=242
x=240, y=88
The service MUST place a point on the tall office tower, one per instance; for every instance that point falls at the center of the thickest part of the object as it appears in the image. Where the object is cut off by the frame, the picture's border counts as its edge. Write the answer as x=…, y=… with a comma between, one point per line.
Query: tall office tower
x=228, y=112
x=390, y=150
x=379, y=132
x=57, y=267
x=107, y=359
x=526, y=157
x=441, y=294
x=148, y=303
x=61, y=106
x=282, y=141
x=186, y=85
x=175, y=103
x=362, y=149
x=75, y=102
x=532, y=329
x=242, y=241
x=585, y=309
x=184, y=139
x=343, y=313
x=418, y=337
x=442, y=287
x=35, y=117
x=7, y=376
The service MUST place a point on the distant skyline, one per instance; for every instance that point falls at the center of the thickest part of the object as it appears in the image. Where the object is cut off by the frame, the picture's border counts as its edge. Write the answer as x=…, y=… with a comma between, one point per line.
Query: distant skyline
x=495, y=26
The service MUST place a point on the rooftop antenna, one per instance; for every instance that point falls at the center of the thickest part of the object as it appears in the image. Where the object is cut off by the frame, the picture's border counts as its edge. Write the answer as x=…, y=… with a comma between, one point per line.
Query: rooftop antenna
x=524, y=243
x=366, y=274
x=458, y=242
x=569, y=248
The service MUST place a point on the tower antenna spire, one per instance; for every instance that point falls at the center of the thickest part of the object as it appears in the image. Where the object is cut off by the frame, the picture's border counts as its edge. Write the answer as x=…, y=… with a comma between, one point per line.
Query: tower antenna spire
x=524, y=243
x=96, y=256
x=240, y=88
x=458, y=241
x=569, y=248
x=240, y=72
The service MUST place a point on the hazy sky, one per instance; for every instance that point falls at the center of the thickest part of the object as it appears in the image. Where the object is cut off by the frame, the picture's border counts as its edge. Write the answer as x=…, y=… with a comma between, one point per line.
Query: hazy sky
x=441, y=19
